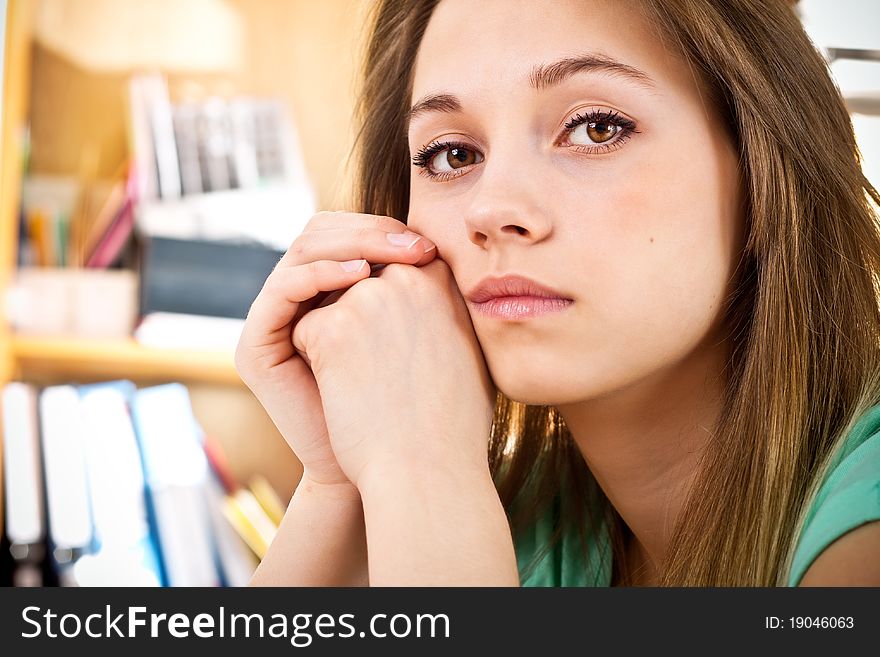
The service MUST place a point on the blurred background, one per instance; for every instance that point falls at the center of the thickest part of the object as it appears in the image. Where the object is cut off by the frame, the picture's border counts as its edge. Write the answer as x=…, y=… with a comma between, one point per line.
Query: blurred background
x=157, y=159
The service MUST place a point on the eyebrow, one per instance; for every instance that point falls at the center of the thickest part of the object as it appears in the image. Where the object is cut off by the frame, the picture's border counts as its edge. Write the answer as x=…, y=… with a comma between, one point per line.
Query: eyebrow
x=543, y=76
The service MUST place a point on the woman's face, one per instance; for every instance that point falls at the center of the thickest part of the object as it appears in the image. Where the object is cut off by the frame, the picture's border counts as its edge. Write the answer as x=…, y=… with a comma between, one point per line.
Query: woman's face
x=582, y=157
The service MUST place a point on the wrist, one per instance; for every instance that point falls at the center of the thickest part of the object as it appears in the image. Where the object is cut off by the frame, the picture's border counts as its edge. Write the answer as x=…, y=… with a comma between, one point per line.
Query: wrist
x=435, y=524
x=321, y=540
x=341, y=491
x=408, y=472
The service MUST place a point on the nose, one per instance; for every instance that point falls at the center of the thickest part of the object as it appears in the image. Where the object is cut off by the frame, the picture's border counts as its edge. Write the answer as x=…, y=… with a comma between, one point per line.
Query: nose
x=507, y=207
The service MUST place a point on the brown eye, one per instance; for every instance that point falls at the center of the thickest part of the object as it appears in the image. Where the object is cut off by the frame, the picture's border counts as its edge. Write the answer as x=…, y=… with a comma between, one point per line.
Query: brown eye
x=600, y=131
x=460, y=157
x=454, y=157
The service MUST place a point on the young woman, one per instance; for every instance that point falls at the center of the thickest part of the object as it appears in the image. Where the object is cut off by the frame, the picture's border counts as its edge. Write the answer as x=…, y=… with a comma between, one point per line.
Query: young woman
x=627, y=328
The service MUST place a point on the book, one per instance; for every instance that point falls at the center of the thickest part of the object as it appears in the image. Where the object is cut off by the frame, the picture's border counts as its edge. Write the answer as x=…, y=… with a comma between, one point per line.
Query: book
x=164, y=143
x=250, y=520
x=103, y=201
x=140, y=138
x=163, y=330
x=185, y=118
x=201, y=277
x=105, y=248
x=64, y=465
x=176, y=472
x=235, y=534
x=39, y=234
x=220, y=465
x=24, y=520
x=279, y=156
x=48, y=203
x=99, y=198
x=245, y=167
x=267, y=497
x=237, y=561
x=215, y=147
x=127, y=550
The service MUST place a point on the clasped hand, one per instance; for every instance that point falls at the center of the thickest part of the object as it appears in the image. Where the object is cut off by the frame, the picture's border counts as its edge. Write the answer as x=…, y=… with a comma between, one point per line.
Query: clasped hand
x=388, y=374
x=400, y=372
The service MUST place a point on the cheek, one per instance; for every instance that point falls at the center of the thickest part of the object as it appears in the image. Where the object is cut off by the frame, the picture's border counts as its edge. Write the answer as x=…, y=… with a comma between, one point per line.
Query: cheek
x=665, y=235
x=440, y=221
x=652, y=263
x=661, y=286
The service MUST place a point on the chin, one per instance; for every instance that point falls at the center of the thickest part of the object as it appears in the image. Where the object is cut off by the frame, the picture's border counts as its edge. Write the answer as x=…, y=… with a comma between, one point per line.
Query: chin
x=535, y=391
x=539, y=384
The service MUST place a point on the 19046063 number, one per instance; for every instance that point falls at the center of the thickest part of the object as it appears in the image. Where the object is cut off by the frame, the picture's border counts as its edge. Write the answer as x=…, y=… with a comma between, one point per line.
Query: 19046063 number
x=809, y=622
x=821, y=622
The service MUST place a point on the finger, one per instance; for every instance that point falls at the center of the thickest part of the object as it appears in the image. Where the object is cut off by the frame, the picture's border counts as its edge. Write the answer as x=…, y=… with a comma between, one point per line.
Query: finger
x=288, y=287
x=315, y=323
x=325, y=220
x=328, y=299
x=373, y=245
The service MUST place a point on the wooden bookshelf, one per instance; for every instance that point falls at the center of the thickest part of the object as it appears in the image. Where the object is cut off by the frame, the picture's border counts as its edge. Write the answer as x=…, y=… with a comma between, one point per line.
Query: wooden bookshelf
x=85, y=359
x=68, y=358
x=40, y=77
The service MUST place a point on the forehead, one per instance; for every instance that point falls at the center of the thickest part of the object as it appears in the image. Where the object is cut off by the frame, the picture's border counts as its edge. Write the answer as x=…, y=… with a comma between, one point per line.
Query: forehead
x=471, y=45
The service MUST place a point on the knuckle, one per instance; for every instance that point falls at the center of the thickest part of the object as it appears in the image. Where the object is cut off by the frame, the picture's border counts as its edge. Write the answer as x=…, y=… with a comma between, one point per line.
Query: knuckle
x=385, y=220
x=366, y=293
x=299, y=246
x=319, y=219
x=403, y=275
x=314, y=269
x=382, y=222
x=273, y=285
x=368, y=286
x=396, y=270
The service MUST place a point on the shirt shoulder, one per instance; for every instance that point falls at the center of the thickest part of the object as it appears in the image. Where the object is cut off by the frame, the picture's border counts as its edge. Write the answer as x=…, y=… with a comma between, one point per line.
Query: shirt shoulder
x=848, y=498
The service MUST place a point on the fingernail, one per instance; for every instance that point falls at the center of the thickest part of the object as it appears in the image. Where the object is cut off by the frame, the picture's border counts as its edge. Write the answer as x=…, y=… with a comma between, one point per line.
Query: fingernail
x=431, y=248
x=402, y=239
x=353, y=265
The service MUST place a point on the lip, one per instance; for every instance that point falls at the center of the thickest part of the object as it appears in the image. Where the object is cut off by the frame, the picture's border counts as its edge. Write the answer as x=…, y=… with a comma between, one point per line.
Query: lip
x=516, y=297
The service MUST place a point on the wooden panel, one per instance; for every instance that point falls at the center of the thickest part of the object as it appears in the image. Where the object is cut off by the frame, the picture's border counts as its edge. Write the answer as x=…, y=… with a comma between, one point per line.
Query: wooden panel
x=302, y=51
x=77, y=118
x=308, y=53
x=16, y=79
x=44, y=359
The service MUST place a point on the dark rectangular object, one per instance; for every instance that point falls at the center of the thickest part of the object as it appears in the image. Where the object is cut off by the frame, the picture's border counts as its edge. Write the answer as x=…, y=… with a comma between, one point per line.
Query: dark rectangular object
x=201, y=277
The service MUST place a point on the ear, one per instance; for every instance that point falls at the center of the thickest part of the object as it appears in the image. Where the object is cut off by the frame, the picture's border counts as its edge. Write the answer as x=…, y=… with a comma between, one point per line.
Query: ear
x=851, y=560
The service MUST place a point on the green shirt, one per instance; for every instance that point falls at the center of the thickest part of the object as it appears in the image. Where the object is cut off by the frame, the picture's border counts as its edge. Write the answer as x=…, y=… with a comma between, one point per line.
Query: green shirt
x=849, y=497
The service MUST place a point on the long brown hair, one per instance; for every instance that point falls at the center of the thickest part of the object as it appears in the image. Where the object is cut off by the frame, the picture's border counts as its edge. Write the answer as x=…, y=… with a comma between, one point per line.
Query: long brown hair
x=803, y=320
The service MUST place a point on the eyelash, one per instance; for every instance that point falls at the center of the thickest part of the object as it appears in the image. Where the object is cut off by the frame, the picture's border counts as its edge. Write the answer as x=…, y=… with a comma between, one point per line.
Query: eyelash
x=422, y=159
